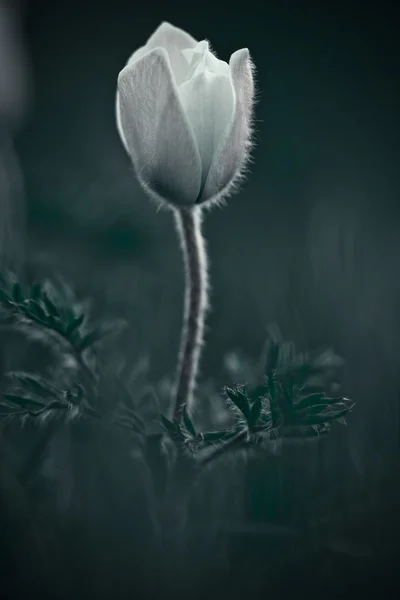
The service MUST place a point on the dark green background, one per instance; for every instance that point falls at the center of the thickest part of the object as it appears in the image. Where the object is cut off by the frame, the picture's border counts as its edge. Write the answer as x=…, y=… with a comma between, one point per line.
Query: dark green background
x=312, y=239
x=310, y=242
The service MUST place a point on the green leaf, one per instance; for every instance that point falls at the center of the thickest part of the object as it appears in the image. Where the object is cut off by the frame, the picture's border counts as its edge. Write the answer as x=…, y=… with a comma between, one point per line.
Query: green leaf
x=25, y=402
x=240, y=399
x=255, y=413
x=51, y=307
x=173, y=429
x=188, y=422
x=311, y=400
x=323, y=418
x=168, y=425
x=37, y=311
x=313, y=410
x=260, y=391
x=288, y=391
x=273, y=400
x=332, y=415
x=260, y=428
x=214, y=436
x=56, y=324
x=328, y=408
x=285, y=399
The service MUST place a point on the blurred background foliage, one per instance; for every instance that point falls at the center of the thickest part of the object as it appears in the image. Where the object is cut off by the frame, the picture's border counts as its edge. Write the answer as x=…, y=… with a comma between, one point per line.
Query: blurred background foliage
x=311, y=242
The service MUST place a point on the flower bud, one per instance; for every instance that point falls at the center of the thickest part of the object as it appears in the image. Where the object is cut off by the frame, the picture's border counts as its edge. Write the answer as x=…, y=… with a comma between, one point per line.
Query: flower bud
x=184, y=117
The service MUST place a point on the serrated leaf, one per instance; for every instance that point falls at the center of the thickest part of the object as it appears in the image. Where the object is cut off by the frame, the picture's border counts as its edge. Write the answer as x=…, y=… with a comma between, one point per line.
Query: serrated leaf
x=167, y=424
x=188, y=422
x=284, y=400
x=25, y=402
x=259, y=391
x=255, y=413
x=50, y=306
x=55, y=323
x=323, y=418
x=273, y=400
x=313, y=410
x=240, y=399
x=288, y=394
x=37, y=310
x=304, y=432
x=260, y=428
x=311, y=400
x=173, y=429
x=213, y=436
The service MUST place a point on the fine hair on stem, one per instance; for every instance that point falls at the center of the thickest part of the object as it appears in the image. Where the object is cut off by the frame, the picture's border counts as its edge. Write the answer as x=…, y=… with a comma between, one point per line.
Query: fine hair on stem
x=188, y=223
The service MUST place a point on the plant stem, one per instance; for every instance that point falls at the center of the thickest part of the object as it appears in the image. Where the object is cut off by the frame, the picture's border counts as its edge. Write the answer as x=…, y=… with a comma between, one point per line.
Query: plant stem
x=188, y=222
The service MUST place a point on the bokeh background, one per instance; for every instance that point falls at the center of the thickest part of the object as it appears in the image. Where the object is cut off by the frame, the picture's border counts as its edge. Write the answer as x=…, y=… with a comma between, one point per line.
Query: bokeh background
x=311, y=241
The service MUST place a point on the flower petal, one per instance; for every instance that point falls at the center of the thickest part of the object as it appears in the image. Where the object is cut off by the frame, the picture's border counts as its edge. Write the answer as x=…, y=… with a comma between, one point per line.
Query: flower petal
x=208, y=100
x=156, y=130
x=200, y=57
x=230, y=157
x=173, y=40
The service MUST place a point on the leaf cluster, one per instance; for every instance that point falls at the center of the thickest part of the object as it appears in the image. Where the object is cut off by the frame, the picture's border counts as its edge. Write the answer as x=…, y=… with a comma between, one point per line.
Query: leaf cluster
x=287, y=397
x=287, y=400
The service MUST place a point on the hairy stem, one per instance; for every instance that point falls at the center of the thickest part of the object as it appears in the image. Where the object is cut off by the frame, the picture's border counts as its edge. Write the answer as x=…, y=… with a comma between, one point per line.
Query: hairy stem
x=188, y=222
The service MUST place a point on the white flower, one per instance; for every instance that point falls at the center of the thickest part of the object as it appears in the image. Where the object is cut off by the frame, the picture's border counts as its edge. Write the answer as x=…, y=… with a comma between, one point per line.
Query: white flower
x=184, y=117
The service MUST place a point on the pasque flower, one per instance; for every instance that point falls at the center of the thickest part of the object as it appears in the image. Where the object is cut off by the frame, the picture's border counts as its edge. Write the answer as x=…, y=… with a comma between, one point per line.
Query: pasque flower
x=184, y=117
